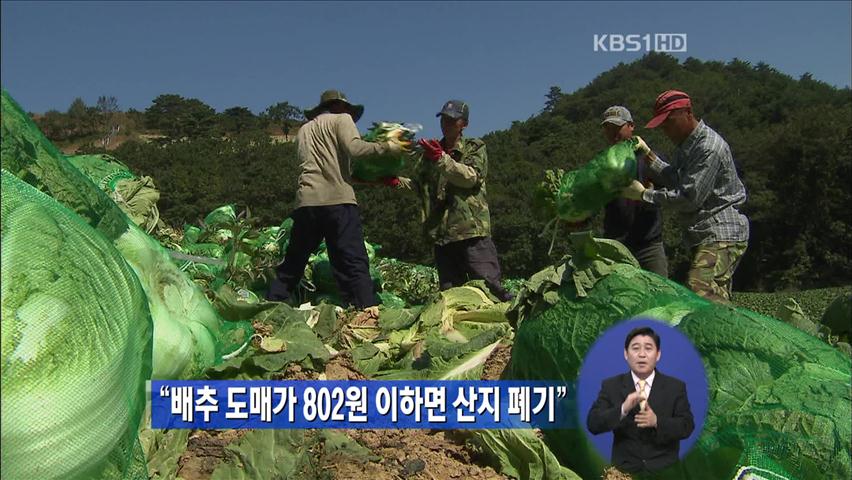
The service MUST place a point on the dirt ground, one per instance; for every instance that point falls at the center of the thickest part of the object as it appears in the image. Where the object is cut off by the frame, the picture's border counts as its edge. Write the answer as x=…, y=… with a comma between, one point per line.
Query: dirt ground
x=404, y=454
x=415, y=454
x=342, y=368
x=497, y=362
x=204, y=451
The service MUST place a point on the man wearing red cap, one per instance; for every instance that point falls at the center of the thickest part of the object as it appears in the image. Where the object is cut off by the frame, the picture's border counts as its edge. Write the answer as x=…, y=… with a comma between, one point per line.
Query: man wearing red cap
x=701, y=184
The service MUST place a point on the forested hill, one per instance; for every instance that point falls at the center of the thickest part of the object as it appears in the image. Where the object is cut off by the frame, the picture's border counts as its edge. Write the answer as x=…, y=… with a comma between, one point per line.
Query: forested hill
x=791, y=139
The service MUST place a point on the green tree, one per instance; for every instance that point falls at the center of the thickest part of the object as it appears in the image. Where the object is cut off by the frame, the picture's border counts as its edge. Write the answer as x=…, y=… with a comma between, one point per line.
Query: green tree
x=180, y=118
x=77, y=110
x=54, y=125
x=553, y=96
x=236, y=120
x=285, y=116
x=81, y=119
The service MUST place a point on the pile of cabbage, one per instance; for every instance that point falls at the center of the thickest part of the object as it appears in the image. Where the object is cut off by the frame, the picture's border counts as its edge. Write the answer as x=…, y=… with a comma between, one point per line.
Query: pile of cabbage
x=92, y=308
x=90, y=299
x=780, y=397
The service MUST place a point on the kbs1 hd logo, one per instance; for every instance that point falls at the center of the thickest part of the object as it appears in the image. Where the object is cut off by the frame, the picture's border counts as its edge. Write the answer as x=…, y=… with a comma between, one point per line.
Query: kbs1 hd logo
x=656, y=42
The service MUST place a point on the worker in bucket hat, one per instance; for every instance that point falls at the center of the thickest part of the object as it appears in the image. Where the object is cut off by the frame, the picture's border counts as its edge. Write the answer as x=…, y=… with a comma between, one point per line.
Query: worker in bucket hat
x=326, y=208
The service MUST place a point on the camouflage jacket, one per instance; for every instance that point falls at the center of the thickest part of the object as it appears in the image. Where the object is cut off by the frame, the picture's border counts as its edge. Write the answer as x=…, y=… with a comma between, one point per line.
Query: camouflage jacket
x=453, y=193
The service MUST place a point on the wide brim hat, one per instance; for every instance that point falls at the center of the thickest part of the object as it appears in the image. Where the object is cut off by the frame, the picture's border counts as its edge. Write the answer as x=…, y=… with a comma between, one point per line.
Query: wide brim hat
x=329, y=96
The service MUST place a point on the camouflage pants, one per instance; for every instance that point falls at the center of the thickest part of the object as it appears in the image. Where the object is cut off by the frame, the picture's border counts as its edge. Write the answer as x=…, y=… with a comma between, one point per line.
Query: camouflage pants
x=713, y=268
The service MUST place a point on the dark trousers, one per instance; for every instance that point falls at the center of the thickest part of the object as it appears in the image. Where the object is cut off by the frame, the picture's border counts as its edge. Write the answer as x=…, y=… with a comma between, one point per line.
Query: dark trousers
x=340, y=226
x=470, y=259
x=652, y=257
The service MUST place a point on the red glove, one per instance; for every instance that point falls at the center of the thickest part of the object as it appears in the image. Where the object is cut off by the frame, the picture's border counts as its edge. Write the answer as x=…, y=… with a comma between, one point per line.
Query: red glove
x=431, y=149
x=391, y=181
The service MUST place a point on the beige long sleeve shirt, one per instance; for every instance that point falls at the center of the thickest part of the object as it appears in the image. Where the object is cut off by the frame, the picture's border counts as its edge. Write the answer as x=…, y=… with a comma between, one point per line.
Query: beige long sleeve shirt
x=326, y=146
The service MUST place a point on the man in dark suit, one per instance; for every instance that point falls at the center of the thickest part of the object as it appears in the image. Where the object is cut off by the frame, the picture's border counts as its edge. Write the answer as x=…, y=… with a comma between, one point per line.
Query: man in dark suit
x=648, y=412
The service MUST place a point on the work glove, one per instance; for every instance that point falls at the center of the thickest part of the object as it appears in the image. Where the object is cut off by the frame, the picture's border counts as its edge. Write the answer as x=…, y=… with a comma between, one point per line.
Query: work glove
x=404, y=183
x=391, y=182
x=396, y=136
x=397, y=182
x=431, y=149
x=633, y=191
x=641, y=147
x=394, y=148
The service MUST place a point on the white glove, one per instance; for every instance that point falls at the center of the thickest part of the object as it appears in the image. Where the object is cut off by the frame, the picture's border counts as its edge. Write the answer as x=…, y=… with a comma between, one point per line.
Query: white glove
x=633, y=191
x=394, y=148
x=404, y=183
x=641, y=146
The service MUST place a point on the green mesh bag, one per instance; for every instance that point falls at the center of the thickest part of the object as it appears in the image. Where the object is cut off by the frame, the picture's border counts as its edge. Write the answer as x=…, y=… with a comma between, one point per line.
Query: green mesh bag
x=137, y=197
x=375, y=167
x=224, y=216
x=187, y=330
x=585, y=191
x=322, y=275
x=780, y=398
x=838, y=315
x=76, y=344
x=104, y=170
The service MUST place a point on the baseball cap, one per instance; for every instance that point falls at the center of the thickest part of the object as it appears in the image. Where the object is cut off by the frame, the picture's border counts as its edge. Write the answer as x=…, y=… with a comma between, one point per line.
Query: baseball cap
x=455, y=109
x=617, y=115
x=667, y=102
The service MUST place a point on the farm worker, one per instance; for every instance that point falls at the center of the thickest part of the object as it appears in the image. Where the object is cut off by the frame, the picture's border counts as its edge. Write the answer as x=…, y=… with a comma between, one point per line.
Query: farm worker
x=701, y=184
x=456, y=216
x=638, y=225
x=325, y=203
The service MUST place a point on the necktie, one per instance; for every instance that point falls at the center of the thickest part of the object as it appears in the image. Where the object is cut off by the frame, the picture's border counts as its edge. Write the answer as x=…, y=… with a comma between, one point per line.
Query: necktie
x=643, y=402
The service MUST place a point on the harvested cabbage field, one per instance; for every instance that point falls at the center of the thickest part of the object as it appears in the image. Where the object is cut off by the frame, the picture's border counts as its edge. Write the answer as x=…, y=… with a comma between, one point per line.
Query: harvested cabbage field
x=98, y=290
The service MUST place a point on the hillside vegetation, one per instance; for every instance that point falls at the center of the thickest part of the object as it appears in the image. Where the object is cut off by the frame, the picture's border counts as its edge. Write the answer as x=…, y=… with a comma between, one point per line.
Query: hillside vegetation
x=791, y=139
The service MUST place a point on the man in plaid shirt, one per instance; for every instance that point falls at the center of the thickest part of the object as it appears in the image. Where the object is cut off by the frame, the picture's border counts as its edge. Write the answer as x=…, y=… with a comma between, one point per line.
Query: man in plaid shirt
x=701, y=184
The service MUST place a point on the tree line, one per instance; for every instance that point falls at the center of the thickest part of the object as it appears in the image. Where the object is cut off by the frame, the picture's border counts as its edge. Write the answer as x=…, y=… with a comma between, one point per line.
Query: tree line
x=791, y=140
x=170, y=117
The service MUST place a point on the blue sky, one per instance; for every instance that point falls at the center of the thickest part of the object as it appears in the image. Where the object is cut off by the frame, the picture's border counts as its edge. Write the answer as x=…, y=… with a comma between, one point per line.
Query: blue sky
x=401, y=59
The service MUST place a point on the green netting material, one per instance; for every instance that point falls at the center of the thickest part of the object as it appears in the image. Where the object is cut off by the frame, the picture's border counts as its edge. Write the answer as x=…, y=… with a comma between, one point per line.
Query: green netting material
x=234, y=250
x=102, y=169
x=187, y=330
x=76, y=344
x=137, y=197
x=375, y=167
x=780, y=398
x=322, y=274
x=838, y=316
x=585, y=191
